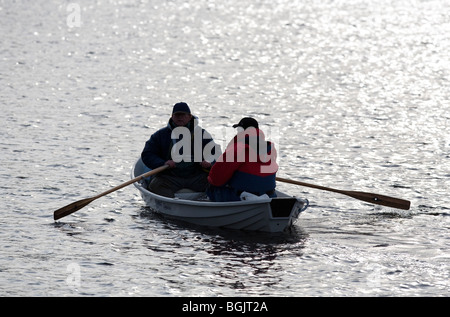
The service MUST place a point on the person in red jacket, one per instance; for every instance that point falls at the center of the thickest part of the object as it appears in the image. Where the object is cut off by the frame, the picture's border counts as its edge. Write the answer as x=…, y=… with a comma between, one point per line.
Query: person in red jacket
x=247, y=165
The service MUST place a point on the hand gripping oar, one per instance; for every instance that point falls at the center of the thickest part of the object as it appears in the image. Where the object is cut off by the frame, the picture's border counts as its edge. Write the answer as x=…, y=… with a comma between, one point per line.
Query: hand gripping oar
x=368, y=197
x=71, y=208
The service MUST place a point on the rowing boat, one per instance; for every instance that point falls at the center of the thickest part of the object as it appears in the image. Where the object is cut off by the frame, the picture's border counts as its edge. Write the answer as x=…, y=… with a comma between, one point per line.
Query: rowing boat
x=254, y=213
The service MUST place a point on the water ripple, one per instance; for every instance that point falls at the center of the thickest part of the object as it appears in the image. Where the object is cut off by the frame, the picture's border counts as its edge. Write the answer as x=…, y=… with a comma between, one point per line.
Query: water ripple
x=355, y=94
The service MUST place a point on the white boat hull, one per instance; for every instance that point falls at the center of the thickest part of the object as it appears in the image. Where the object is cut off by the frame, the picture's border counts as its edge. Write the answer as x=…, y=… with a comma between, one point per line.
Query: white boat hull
x=263, y=214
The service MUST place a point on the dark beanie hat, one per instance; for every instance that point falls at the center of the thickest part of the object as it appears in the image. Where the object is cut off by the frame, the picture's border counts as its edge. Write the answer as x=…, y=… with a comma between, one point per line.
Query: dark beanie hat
x=181, y=107
x=246, y=123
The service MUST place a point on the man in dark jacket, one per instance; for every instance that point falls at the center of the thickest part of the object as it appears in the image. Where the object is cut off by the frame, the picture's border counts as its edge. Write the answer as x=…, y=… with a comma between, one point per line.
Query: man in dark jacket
x=247, y=165
x=186, y=148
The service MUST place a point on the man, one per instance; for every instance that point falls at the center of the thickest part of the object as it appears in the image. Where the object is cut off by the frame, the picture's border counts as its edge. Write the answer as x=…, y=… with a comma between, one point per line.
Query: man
x=248, y=164
x=180, y=145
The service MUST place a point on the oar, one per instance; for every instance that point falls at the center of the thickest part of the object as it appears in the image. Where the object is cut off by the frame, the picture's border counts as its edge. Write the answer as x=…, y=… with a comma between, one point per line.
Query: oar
x=71, y=208
x=368, y=197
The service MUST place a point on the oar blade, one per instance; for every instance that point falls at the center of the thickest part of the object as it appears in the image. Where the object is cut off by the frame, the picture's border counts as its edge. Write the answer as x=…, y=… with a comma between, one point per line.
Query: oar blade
x=71, y=208
x=380, y=199
x=368, y=197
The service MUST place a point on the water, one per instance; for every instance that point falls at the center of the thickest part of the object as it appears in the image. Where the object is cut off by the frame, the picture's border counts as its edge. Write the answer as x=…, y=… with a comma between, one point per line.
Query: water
x=355, y=93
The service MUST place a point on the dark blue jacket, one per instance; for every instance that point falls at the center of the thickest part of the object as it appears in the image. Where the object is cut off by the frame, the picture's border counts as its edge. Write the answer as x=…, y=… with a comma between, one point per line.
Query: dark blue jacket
x=158, y=149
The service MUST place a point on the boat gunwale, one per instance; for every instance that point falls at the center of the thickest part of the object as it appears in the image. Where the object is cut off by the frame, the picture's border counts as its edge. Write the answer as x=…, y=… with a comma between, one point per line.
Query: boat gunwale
x=182, y=201
x=203, y=203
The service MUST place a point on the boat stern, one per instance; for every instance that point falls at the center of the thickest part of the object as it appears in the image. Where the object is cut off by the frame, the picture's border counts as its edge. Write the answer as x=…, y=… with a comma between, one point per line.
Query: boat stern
x=285, y=212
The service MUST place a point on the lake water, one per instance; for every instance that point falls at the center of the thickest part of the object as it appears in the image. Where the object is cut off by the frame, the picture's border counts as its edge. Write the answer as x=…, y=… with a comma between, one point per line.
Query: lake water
x=355, y=93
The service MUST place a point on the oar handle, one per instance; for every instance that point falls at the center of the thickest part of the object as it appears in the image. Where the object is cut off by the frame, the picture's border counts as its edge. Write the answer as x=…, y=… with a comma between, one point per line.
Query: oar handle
x=367, y=197
x=134, y=180
x=290, y=181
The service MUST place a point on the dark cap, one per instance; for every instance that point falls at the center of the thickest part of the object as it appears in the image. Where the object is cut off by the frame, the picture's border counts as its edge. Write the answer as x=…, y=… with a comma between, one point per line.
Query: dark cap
x=246, y=123
x=181, y=107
